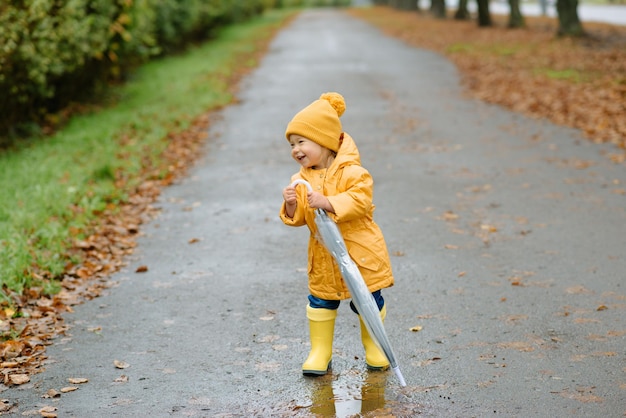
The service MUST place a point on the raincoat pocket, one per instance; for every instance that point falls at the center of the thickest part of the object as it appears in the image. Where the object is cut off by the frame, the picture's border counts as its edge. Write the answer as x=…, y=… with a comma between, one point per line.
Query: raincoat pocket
x=363, y=257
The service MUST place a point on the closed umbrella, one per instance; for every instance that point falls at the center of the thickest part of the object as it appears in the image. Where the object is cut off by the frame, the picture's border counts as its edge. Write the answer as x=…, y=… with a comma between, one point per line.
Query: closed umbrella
x=361, y=296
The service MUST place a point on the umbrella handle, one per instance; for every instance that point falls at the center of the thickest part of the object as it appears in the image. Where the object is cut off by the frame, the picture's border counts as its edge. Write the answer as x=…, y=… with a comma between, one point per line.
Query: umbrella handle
x=309, y=188
x=301, y=181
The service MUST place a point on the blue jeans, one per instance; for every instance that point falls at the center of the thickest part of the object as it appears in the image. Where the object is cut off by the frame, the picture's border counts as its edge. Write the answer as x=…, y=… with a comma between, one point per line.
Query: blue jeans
x=317, y=303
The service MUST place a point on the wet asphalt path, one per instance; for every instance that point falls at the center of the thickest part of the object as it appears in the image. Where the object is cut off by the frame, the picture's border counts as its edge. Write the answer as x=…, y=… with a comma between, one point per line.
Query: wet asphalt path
x=508, y=238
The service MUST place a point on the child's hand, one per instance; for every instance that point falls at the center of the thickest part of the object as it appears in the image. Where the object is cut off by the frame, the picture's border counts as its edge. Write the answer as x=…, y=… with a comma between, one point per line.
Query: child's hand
x=291, y=200
x=290, y=196
x=318, y=200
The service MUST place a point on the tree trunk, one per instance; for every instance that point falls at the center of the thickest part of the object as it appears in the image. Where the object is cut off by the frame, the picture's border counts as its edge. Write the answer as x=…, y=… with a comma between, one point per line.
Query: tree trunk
x=462, y=13
x=516, y=20
x=408, y=4
x=569, y=23
x=438, y=8
x=484, y=17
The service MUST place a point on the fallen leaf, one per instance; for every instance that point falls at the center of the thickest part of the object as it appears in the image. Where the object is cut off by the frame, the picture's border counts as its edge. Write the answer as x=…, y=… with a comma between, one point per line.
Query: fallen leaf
x=268, y=367
x=141, y=269
x=11, y=349
x=577, y=290
x=52, y=393
x=517, y=345
x=449, y=216
x=602, y=308
x=268, y=339
x=5, y=405
x=68, y=389
x=584, y=395
x=605, y=354
x=586, y=320
x=19, y=379
x=194, y=240
x=120, y=364
x=77, y=380
x=9, y=364
x=416, y=328
x=428, y=361
x=48, y=411
x=122, y=379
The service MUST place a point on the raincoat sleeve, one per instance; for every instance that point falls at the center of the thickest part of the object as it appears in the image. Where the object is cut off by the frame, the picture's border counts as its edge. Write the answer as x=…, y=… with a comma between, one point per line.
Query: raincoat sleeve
x=298, y=216
x=355, y=201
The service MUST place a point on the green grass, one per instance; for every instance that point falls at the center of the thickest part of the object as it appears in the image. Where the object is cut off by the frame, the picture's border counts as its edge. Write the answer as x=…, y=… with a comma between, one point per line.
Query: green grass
x=51, y=186
x=572, y=75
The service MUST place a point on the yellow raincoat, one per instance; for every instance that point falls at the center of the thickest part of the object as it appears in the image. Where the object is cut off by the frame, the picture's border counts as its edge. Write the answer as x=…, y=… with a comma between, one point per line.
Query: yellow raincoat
x=349, y=188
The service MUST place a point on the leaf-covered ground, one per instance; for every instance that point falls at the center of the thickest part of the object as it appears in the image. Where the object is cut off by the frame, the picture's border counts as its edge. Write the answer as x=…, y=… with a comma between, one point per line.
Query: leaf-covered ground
x=575, y=82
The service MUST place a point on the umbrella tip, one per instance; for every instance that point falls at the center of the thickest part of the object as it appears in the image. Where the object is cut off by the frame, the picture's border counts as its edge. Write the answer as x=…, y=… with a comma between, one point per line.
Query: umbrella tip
x=398, y=373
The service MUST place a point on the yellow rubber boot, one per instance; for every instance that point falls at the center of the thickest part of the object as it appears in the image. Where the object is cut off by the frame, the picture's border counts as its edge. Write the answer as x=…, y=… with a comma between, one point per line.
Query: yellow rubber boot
x=374, y=358
x=322, y=329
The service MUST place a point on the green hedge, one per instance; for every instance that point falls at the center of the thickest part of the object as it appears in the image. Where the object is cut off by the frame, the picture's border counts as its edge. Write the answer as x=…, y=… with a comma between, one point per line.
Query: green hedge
x=54, y=52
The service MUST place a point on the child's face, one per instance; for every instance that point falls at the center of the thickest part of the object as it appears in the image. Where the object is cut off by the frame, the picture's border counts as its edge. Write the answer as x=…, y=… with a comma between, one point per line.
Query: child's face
x=307, y=153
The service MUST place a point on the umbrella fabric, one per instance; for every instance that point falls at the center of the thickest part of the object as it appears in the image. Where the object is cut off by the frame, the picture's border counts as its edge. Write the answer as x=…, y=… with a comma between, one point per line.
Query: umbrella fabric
x=361, y=296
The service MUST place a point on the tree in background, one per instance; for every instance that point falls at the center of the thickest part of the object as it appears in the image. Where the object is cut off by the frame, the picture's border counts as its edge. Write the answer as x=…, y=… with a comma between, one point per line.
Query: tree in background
x=516, y=20
x=438, y=8
x=569, y=23
x=462, y=13
x=484, y=17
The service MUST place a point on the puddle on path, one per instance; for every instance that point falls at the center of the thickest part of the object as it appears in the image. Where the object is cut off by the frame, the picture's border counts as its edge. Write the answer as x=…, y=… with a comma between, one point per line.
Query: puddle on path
x=348, y=395
x=351, y=394
x=361, y=394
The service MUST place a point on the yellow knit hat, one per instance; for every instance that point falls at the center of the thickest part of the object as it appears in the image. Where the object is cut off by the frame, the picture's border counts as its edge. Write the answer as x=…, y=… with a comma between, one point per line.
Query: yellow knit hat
x=319, y=121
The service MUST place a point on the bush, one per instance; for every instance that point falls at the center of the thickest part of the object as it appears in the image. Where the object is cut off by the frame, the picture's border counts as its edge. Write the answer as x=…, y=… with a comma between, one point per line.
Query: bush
x=53, y=52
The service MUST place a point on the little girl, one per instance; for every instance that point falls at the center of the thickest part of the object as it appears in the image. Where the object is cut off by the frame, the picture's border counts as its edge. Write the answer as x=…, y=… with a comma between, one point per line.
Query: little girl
x=330, y=162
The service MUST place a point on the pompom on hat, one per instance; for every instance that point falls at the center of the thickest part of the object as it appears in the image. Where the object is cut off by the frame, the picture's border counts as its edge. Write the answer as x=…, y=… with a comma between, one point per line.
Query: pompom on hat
x=319, y=121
